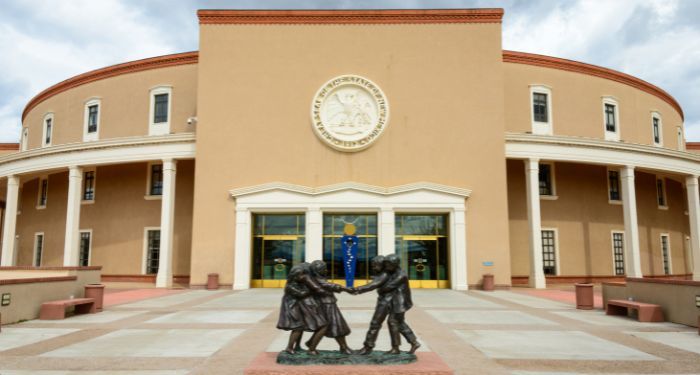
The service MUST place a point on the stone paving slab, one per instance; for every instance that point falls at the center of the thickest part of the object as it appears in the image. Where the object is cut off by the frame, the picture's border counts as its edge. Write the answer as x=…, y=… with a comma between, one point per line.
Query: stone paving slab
x=11, y=338
x=689, y=341
x=525, y=300
x=355, y=341
x=151, y=343
x=102, y=317
x=247, y=299
x=587, y=373
x=451, y=299
x=171, y=300
x=358, y=317
x=558, y=345
x=500, y=317
x=217, y=317
x=597, y=317
x=52, y=372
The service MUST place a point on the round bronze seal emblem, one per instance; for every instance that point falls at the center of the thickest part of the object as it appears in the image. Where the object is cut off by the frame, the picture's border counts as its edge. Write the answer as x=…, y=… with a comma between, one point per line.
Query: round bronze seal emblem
x=349, y=112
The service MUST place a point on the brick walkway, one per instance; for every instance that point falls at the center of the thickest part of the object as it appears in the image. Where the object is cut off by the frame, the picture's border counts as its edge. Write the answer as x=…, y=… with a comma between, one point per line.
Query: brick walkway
x=176, y=332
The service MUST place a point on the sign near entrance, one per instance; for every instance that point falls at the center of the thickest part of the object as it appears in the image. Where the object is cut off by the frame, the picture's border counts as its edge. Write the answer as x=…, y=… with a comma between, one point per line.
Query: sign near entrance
x=349, y=113
x=349, y=245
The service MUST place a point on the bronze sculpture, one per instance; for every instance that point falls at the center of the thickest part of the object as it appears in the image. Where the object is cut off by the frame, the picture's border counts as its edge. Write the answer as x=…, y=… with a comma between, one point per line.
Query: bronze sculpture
x=309, y=305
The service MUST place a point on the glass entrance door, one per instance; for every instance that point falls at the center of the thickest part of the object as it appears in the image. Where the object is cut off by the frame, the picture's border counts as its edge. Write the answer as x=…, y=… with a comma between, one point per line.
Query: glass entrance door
x=278, y=244
x=421, y=242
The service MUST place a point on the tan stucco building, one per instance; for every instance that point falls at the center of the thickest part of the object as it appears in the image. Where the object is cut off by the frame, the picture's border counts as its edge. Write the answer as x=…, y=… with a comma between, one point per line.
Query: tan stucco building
x=256, y=152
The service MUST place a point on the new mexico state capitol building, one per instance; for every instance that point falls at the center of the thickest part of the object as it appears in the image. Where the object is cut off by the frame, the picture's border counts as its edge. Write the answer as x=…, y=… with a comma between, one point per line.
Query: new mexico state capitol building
x=412, y=127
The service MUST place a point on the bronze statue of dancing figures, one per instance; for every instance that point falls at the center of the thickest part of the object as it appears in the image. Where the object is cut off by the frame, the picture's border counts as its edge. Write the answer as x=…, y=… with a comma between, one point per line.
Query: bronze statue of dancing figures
x=393, y=300
x=300, y=310
x=337, y=326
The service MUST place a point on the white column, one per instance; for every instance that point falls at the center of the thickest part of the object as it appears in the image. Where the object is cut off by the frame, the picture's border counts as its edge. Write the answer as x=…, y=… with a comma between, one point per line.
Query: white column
x=387, y=231
x=8, y=235
x=691, y=183
x=459, y=256
x=164, y=279
x=314, y=234
x=532, y=183
x=71, y=244
x=241, y=262
x=633, y=265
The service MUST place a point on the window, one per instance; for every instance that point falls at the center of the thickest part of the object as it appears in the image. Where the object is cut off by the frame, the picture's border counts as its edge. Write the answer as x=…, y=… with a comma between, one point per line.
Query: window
x=159, y=115
x=155, y=180
x=92, y=120
x=85, y=247
x=657, y=129
x=614, y=186
x=618, y=242
x=152, y=251
x=666, y=254
x=661, y=192
x=611, y=119
x=549, y=257
x=541, y=104
x=679, y=135
x=89, y=186
x=24, y=139
x=48, y=130
x=43, y=192
x=546, y=177
x=38, y=249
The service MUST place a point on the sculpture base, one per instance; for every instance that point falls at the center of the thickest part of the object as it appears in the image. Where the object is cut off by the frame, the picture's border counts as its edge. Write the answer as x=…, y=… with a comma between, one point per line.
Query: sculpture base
x=329, y=357
x=428, y=363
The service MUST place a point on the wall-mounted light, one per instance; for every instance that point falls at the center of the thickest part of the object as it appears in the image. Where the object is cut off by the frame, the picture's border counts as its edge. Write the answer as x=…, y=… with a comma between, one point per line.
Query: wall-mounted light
x=6, y=299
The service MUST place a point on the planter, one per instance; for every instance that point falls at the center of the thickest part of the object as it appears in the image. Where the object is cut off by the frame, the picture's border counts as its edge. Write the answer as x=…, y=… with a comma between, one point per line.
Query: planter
x=488, y=284
x=584, y=296
x=212, y=281
x=96, y=291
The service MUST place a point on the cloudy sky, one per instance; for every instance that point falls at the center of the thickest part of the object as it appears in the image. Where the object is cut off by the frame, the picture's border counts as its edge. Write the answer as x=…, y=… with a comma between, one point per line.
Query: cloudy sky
x=46, y=41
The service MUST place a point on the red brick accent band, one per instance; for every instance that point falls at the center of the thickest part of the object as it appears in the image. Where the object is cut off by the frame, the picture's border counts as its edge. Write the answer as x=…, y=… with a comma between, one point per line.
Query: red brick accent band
x=32, y=280
x=663, y=281
x=111, y=71
x=143, y=278
x=319, y=17
x=9, y=146
x=692, y=145
x=591, y=70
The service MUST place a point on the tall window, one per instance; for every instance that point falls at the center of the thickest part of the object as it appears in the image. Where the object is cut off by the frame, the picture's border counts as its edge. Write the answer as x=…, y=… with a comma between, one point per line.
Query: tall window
x=546, y=179
x=24, y=140
x=539, y=107
x=48, y=129
x=665, y=253
x=159, y=116
x=156, y=185
x=92, y=118
x=549, y=257
x=614, y=186
x=661, y=192
x=89, y=186
x=85, y=243
x=610, y=122
x=38, y=249
x=364, y=227
x=43, y=192
x=152, y=250
x=657, y=132
x=160, y=110
x=618, y=239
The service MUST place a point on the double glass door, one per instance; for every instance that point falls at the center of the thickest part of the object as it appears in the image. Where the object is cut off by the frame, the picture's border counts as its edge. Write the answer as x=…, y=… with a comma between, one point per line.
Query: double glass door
x=278, y=244
x=421, y=242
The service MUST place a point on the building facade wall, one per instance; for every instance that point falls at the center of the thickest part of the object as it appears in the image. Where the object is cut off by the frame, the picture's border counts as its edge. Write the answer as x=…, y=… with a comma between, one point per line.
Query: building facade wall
x=117, y=218
x=584, y=220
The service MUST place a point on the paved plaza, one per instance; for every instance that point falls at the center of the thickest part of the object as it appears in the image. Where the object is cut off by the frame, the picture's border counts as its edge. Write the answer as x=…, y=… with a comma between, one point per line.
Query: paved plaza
x=516, y=332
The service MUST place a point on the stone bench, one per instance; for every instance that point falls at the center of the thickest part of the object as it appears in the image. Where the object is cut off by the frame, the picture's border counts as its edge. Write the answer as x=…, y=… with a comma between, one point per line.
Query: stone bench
x=56, y=310
x=646, y=312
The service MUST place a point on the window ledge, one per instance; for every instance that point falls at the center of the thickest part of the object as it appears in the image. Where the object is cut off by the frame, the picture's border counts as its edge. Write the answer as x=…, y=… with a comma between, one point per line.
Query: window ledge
x=152, y=197
x=40, y=207
x=549, y=197
x=92, y=201
x=615, y=202
x=665, y=208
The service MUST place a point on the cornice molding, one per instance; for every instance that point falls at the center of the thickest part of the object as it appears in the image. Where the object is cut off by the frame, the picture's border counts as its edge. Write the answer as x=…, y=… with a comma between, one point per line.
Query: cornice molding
x=591, y=70
x=235, y=193
x=320, y=17
x=113, y=143
x=158, y=62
